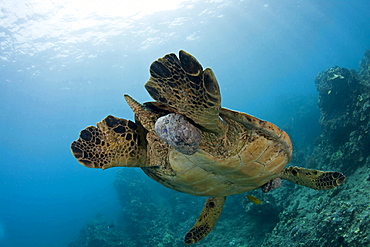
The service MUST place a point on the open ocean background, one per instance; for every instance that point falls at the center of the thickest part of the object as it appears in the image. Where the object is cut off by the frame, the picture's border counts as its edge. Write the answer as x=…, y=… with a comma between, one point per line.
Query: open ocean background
x=66, y=64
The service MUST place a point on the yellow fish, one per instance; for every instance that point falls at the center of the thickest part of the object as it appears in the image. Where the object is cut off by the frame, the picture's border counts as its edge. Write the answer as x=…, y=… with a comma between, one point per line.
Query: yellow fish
x=253, y=199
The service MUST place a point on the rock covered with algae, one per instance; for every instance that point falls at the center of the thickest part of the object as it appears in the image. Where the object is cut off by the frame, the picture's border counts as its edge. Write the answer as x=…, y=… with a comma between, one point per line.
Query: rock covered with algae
x=344, y=101
x=339, y=217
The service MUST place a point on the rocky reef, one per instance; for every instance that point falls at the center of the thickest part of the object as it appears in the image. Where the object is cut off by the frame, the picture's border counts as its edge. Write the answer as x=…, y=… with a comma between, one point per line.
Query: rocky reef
x=100, y=232
x=344, y=101
x=338, y=217
x=290, y=216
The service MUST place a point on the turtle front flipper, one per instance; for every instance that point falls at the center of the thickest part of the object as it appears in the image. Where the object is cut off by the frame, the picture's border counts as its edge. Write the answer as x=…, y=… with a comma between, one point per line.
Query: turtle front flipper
x=183, y=85
x=206, y=220
x=114, y=142
x=318, y=180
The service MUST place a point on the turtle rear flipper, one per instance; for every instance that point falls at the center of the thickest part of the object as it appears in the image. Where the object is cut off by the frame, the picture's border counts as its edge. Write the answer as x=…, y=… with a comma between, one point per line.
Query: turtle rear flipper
x=318, y=180
x=206, y=220
x=114, y=142
x=183, y=85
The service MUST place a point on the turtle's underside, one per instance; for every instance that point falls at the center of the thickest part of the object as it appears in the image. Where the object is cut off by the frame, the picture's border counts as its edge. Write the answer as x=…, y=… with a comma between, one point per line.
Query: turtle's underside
x=186, y=141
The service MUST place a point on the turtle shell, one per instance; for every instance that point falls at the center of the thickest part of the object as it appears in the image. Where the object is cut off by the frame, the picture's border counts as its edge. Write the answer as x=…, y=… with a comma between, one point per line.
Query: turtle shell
x=251, y=153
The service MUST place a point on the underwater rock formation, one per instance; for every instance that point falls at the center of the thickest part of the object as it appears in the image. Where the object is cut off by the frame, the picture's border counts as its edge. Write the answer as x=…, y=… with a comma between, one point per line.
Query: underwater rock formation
x=344, y=101
x=326, y=218
x=99, y=233
x=364, y=70
x=339, y=217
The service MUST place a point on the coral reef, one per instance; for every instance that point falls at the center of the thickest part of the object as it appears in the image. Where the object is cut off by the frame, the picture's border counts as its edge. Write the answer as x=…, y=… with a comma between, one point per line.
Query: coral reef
x=153, y=215
x=326, y=218
x=338, y=217
x=99, y=233
x=344, y=101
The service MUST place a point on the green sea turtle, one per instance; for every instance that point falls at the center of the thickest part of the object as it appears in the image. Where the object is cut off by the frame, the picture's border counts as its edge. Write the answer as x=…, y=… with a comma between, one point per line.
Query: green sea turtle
x=186, y=141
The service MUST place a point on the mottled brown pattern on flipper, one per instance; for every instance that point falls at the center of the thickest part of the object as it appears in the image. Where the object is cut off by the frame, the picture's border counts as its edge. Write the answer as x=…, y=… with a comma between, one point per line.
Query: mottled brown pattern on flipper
x=318, y=180
x=114, y=142
x=206, y=220
x=185, y=87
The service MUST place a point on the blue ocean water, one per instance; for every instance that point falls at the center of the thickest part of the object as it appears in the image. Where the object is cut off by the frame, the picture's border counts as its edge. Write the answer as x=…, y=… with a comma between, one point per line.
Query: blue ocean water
x=66, y=64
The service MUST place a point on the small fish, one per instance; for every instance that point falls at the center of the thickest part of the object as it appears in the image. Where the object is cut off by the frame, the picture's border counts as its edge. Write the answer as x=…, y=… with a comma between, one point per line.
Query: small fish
x=253, y=199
